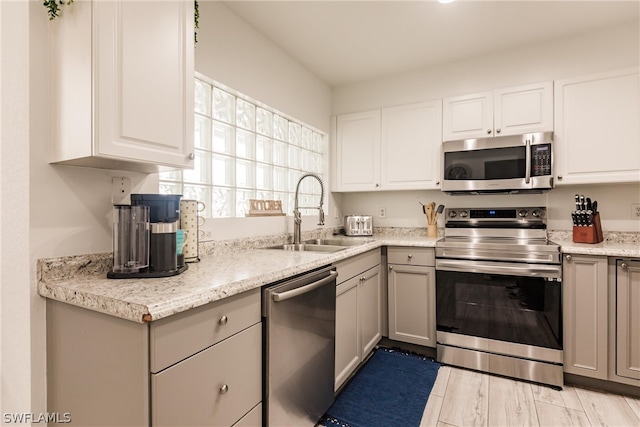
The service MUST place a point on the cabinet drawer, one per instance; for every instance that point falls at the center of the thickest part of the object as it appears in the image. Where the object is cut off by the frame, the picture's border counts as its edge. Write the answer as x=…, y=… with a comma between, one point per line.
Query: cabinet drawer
x=252, y=419
x=411, y=256
x=357, y=264
x=216, y=387
x=177, y=337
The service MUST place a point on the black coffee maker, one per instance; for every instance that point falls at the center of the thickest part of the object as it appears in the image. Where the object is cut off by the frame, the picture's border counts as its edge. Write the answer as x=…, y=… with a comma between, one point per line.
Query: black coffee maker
x=164, y=214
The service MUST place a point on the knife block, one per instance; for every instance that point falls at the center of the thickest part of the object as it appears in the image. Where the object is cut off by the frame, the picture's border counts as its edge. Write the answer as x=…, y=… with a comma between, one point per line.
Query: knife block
x=589, y=234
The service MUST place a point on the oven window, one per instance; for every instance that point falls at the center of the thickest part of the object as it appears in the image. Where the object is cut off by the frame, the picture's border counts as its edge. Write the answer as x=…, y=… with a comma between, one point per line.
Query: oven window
x=495, y=163
x=524, y=310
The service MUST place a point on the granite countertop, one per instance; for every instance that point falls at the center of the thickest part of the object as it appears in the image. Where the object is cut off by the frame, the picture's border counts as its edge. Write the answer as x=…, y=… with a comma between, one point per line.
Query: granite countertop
x=82, y=280
x=215, y=277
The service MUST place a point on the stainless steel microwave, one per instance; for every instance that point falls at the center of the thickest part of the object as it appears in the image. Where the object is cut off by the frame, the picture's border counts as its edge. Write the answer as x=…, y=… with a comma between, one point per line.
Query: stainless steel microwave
x=503, y=164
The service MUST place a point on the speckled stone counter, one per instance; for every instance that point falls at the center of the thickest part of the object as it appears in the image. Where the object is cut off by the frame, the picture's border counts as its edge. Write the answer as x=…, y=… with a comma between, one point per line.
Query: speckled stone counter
x=82, y=280
x=614, y=244
x=230, y=268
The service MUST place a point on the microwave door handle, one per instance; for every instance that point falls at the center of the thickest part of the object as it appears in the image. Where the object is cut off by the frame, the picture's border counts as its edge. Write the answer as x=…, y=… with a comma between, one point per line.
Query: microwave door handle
x=527, y=174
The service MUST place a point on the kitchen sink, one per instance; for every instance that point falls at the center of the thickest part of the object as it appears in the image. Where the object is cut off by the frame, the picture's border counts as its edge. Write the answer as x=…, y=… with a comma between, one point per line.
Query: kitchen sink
x=335, y=242
x=309, y=247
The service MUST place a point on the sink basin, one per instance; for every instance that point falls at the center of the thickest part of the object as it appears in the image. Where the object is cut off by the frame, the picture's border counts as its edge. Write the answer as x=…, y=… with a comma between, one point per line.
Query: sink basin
x=308, y=247
x=335, y=242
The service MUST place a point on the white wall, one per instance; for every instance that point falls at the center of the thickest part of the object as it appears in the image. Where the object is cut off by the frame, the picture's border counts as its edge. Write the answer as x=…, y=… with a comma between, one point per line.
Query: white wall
x=607, y=49
x=15, y=292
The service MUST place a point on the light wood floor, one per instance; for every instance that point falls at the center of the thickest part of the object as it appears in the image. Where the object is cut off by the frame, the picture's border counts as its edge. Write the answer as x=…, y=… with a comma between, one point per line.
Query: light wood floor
x=466, y=398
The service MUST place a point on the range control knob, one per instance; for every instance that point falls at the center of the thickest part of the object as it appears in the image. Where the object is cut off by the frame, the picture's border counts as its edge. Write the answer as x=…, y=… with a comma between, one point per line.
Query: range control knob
x=464, y=214
x=537, y=214
x=452, y=214
x=523, y=213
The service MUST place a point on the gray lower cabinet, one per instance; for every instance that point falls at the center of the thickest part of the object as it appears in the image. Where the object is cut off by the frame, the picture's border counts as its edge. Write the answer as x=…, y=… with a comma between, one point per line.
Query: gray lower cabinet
x=628, y=319
x=215, y=387
x=358, y=312
x=199, y=367
x=601, y=318
x=585, y=314
x=412, y=293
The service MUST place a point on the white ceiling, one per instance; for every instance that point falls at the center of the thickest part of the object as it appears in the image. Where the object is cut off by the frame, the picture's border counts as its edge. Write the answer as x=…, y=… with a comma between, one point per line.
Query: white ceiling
x=343, y=42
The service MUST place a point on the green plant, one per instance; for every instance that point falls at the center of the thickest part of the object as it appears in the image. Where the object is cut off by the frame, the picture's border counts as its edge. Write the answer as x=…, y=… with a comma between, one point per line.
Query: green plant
x=53, y=7
x=196, y=19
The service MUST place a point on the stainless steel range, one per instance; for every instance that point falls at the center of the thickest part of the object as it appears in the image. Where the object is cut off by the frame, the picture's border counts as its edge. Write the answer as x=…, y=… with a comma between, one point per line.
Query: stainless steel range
x=499, y=290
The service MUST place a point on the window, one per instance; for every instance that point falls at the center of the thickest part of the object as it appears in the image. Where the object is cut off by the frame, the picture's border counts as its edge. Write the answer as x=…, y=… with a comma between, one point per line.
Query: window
x=245, y=150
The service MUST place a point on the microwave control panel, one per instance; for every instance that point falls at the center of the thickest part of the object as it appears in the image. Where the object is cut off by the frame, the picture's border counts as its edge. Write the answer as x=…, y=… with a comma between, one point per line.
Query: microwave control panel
x=541, y=160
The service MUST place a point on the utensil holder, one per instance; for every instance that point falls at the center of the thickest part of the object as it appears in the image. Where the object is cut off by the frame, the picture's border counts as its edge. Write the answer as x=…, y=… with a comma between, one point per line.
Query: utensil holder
x=432, y=230
x=589, y=234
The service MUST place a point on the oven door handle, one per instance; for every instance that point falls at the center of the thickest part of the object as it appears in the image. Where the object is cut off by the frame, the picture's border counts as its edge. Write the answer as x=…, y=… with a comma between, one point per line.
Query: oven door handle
x=512, y=269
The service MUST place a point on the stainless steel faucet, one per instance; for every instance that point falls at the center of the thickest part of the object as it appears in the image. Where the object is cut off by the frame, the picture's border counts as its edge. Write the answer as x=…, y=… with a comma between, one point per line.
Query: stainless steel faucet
x=297, y=217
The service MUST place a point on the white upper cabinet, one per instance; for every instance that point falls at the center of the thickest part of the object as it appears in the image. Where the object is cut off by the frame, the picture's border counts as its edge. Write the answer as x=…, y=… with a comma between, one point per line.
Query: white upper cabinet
x=122, y=88
x=396, y=148
x=596, y=128
x=411, y=138
x=509, y=111
x=357, y=151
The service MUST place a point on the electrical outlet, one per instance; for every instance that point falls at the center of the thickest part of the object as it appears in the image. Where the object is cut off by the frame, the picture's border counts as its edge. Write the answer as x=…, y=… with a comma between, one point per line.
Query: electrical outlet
x=120, y=190
x=635, y=210
x=382, y=212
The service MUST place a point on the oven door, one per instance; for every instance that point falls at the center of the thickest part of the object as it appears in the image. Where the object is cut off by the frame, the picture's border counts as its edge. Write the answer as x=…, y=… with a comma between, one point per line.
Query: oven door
x=500, y=302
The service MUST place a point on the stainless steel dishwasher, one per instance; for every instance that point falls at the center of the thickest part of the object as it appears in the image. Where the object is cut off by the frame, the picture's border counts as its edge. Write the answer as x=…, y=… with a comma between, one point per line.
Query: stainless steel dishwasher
x=299, y=348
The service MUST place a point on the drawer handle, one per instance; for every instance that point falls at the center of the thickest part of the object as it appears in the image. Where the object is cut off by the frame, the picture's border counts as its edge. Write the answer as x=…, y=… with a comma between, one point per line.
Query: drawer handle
x=223, y=320
x=224, y=389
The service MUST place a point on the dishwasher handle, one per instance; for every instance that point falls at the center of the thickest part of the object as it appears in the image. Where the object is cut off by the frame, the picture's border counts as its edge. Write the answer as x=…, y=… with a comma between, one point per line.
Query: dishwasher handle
x=282, y=296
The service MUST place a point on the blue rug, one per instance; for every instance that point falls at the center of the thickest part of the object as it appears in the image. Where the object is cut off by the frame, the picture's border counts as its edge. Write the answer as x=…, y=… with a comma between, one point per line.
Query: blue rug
x=391, y=389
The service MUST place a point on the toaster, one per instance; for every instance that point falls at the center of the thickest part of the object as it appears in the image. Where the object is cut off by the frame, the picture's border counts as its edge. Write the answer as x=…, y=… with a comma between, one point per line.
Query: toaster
x=358, y=225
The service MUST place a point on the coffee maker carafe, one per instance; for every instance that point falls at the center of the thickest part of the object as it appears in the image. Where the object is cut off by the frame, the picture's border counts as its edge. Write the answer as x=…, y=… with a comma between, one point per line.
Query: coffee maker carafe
x=163, y=216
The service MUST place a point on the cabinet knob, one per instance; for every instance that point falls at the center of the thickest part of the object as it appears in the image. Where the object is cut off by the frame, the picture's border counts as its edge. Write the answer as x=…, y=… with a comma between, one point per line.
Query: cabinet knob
x=409, y=256
x=437, y=182
x=223, y=320
x=191, y=156
x=362, y=278
x=377, y=185
x=488, y=131
x=559, y=177
x=498, y=130
x=391, y=267
x=224, y=389
x=568, y=257
x=624, y=265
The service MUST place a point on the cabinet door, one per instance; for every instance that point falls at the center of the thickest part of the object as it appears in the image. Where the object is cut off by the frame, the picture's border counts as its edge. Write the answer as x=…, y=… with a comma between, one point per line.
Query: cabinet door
x=144, y=81
x=217, y=386
x=628, y=319
x=596, y=128
x=370, y=309
x=468, y=116
x=584, y=307
x=411, y=139
x=347, y=336
x=412, y=307
x=523, y=109
x=357, y=150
